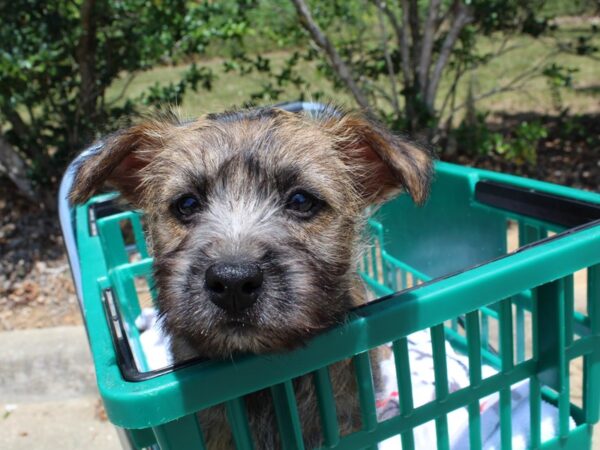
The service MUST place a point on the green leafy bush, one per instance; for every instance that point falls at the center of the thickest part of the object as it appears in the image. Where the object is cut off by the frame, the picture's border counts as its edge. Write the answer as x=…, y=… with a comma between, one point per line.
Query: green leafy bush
x=58, y=58
x=522, y=146
x=477, y=139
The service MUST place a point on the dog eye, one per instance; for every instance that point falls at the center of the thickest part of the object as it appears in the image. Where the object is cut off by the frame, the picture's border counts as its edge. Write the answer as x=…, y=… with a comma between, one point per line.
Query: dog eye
x=187, y=205
x=303, y=204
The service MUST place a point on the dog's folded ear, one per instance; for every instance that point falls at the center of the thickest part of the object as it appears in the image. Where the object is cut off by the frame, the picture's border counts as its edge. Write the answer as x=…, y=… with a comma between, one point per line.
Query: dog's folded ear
x=382, y=163
x=120, y=161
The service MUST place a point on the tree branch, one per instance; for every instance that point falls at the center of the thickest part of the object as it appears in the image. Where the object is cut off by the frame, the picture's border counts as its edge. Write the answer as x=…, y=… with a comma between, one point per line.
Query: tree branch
x=388, y=61
x=428, y=38
x=459, y=72
x=382, y=93
x=462, y=17
x=382, y=4
x=120, y=95
x=441, y=19
x=413, y=19
x=339, y=66
x=517, y=83
x=405, y=46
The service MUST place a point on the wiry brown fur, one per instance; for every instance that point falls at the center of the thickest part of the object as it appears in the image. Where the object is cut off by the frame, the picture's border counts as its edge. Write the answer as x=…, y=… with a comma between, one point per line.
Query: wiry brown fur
x=242, y=166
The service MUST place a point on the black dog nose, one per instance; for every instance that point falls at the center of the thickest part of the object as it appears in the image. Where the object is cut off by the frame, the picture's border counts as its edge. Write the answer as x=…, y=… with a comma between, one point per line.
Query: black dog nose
x=234, y=287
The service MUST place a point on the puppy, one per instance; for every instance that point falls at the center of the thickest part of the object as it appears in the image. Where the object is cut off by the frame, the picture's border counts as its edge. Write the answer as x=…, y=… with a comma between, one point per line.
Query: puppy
x=255, y=220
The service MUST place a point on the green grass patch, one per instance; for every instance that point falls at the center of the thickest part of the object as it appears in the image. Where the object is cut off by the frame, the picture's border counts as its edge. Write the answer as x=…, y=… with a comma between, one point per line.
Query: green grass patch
x=231, y=89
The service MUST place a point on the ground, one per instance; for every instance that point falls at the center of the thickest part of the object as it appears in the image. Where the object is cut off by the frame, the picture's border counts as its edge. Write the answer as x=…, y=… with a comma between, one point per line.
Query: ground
x=567, y=158
x=36, y=289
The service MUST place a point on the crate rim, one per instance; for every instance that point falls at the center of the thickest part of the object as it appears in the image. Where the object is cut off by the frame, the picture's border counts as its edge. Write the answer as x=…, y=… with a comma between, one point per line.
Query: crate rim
x=131, y=404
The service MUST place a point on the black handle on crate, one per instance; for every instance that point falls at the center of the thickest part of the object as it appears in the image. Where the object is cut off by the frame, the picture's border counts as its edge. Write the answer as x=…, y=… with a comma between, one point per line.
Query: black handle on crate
x=537, y=205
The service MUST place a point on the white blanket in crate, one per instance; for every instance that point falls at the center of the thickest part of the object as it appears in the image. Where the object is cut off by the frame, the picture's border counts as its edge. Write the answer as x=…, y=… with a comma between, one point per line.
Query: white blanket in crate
x=155, y=346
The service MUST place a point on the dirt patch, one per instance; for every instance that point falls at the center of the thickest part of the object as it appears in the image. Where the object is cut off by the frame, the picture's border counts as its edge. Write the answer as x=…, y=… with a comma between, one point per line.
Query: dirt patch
x=569, y=155
x=36, y=289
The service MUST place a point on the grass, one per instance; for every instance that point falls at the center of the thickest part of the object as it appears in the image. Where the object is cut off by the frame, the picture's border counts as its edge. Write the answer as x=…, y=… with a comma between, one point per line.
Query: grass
x=535, y=96
x=231, y=89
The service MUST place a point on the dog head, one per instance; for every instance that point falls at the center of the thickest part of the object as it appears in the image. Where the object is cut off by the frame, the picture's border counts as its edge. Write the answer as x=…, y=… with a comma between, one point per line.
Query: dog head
x=255, y=217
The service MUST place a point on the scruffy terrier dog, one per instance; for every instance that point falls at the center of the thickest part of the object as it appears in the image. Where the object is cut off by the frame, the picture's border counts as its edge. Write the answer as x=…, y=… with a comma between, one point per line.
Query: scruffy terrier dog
x=255, y=219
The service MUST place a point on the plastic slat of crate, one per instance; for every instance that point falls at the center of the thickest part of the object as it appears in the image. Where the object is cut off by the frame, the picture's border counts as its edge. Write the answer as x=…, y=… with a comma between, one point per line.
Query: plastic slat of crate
x=440, y=367
x=485, y=329
x=391, y=267
x=454, y=325
x=579, y=439
x=366, y=392
x=404, y=382
x=142, y=439
x=520, y=331
x=389, y=264
x=238, y=421
x=568, y=307
x=506, y=357
x=569, y=296
x=549, y=331
x=552, y=341
x=179, y=434
x=404, y=267
x=591, y=392
x=122, y=279
x=111, y=237
x=138, y=233
x=375, y=258
x=327, y=407
x=460, y=344
x=433, y=409
x=527, y=235
x=393, y=274
x=535, y=394
x=474, y=354
x=458, y=399
x=288, y=420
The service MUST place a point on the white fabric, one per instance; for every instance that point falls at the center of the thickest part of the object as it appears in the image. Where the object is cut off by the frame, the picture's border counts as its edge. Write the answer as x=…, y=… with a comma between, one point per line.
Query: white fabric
x=423, y=388
x=155, y=344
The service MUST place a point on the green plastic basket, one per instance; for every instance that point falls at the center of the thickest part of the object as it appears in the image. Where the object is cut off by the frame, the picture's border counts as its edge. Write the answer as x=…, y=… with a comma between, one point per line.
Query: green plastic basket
x=447, y=267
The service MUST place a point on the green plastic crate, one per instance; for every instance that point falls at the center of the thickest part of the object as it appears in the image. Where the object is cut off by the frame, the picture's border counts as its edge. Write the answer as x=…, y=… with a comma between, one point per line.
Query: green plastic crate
x=443, y=267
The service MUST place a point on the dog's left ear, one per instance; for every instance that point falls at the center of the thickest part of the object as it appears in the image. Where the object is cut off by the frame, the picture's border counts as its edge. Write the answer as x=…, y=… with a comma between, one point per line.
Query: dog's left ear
x=382, y=164
x=120, y=161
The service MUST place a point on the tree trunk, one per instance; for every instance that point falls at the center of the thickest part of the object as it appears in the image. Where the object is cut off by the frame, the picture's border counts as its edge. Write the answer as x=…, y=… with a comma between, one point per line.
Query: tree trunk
x=86, y=59
x=339, y=66
x=409, y=91
x=15, y=167
x=462, y=18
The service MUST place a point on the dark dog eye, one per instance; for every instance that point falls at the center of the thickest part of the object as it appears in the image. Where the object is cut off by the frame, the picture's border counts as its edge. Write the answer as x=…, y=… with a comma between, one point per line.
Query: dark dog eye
x=303, y=204
x=187, y=205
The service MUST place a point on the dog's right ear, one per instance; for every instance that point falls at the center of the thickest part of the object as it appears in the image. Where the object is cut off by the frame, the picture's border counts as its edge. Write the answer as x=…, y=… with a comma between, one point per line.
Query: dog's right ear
x=120, y=161
x=382, y=164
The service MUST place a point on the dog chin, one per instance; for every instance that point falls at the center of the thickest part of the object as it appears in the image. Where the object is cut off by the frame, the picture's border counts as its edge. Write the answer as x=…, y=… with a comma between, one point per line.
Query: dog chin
x=238, y=338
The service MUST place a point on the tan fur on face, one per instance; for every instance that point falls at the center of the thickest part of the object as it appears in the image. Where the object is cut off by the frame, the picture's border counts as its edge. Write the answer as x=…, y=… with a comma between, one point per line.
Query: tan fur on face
x=243, y=167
